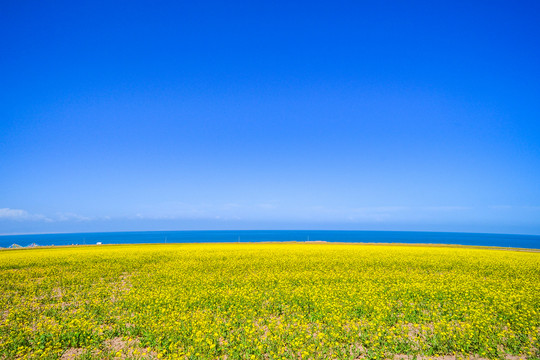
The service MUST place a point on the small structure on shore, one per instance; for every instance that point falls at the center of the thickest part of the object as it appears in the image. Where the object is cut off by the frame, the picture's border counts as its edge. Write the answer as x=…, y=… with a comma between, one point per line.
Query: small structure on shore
x=14, y=246
x=32, y=245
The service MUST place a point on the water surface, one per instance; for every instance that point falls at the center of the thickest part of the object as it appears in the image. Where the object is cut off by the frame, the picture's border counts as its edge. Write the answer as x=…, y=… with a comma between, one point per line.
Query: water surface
x=408, y=237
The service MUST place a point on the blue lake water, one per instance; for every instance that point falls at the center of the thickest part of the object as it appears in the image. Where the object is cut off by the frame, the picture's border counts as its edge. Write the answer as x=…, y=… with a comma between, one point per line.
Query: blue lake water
x=409, y=237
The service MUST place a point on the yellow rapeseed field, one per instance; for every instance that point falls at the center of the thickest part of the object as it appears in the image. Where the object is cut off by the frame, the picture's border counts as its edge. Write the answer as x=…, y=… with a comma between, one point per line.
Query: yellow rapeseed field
x=269, y=301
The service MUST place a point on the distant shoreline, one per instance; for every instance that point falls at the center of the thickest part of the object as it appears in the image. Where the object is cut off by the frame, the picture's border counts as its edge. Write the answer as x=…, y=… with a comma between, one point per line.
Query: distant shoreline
x=316, y=242
x=267, y=236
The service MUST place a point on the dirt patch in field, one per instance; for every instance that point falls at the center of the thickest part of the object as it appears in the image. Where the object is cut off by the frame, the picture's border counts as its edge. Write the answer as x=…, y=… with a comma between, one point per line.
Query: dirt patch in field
x=418, y=331
x=122, y=287
x=128, y=348
x=57, y=292
x=452, y=357
x=4, y=315
x=72, y=353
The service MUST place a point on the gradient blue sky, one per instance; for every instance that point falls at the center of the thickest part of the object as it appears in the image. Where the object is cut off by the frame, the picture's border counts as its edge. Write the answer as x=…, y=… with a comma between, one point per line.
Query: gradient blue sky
x=380, y=115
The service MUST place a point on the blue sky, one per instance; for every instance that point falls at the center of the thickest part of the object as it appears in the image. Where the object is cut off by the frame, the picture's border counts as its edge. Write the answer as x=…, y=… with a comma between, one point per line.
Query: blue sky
x=281, y=115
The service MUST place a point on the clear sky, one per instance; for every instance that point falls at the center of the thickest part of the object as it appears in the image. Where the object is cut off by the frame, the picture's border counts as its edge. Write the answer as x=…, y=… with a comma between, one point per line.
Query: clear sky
x=376, y=115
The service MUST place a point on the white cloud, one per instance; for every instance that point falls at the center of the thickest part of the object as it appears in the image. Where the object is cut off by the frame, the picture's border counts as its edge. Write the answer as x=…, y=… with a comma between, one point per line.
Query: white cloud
x=514, y=207
x=23, y=215
x=71, y=217
x=447, y=208
x=19, y=214
x=381, y=209
x=376, y=213
x=13, y=213
x=379, y=214
x=267, y=206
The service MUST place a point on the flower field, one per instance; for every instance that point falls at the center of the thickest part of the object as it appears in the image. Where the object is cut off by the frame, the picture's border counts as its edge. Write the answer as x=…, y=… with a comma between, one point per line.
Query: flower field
x=269, y=301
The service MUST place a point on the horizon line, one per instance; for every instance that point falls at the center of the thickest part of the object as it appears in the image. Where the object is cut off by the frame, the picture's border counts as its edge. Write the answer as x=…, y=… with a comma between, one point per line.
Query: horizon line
x=229, y=230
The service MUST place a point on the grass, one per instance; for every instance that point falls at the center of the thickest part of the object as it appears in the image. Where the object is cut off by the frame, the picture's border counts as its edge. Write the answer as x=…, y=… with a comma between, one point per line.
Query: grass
x=269, y=301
